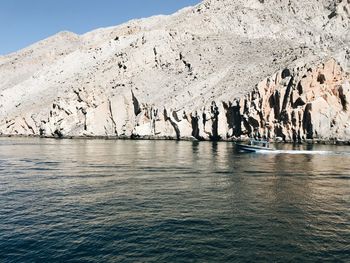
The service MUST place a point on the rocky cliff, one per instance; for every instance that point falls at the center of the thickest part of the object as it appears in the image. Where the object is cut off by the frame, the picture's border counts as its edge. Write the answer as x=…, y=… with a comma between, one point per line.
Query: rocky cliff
x=218, y=71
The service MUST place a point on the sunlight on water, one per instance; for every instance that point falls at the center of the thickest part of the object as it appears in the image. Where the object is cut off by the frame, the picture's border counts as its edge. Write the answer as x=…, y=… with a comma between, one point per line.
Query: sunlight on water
x=127, y=201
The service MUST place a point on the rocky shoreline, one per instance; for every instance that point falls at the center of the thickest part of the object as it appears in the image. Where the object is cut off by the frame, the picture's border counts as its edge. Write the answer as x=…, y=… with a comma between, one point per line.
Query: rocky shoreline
x=300, y=105
x=190, y=139
x=303, y=104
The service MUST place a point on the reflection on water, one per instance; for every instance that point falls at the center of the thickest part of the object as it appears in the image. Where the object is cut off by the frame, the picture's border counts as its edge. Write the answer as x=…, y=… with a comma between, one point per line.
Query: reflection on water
x=96, y=200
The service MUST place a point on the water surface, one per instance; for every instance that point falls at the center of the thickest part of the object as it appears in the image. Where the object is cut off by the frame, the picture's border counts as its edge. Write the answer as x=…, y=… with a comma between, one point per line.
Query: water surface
x=167, y=201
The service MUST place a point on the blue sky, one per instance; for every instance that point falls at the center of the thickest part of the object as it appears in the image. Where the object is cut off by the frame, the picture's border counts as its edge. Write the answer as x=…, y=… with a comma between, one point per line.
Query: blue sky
x=23, y=22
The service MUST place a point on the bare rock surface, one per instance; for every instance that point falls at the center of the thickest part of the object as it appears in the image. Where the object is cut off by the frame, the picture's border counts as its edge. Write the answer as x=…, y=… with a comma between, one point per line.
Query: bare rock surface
x=220, y=70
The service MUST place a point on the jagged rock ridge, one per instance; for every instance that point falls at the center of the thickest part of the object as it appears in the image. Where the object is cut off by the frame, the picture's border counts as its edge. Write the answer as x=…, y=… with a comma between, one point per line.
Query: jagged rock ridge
x=192, y=74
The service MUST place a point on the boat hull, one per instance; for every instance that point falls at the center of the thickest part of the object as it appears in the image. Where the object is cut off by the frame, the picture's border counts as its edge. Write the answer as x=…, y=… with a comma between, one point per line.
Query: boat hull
x=251, y=148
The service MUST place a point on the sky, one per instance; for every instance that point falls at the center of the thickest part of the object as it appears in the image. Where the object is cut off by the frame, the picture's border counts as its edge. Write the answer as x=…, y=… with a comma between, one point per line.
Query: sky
x=23, y=22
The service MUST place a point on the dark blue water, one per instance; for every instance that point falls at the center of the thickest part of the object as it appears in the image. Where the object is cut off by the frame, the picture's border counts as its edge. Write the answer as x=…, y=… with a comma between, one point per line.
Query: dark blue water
x=165, y=201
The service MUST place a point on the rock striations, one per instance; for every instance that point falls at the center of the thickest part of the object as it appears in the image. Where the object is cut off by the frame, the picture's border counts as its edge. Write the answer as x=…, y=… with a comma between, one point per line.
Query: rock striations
x=221, y=70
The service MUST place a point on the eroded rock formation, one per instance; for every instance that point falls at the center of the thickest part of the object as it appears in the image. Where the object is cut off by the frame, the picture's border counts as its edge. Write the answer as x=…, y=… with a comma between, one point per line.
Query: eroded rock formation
x=306, y=103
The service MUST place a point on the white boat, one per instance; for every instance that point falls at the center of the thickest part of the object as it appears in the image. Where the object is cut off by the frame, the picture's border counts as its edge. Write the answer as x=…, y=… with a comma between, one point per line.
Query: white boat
x=254, y=146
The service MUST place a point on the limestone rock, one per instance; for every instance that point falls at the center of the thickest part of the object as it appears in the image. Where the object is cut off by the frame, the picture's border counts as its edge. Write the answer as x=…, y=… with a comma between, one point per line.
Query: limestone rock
x=220, y=70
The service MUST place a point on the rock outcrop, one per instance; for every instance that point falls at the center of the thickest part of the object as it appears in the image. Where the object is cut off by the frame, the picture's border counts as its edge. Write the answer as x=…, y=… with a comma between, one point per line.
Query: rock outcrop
x=299, y=104
x=221, y=70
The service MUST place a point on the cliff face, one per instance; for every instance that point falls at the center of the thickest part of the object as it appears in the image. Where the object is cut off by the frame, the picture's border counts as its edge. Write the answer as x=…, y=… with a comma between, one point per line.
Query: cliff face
x=219, y=70
x=299, y=104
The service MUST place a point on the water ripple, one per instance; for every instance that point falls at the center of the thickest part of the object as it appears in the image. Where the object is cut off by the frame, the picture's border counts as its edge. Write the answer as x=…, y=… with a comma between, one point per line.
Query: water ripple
x=147, y=201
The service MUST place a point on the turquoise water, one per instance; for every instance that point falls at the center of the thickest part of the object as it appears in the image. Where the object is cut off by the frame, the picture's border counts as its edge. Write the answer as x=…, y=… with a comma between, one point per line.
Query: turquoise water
x=167, y=201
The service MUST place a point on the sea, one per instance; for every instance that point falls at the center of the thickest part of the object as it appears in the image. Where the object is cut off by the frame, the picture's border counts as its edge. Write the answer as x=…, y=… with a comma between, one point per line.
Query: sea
x=172, y=201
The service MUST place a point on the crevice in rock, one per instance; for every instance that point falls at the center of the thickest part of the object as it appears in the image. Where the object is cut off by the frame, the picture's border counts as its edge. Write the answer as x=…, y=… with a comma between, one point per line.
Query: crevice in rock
x=285, y=73
x=195, y=126
x=215, y=122
x=204, y=118
x=29, y=127
x=321, y=78
x=137, y=108
x=287, y=94
x=332, y=14
x=175, y=116
x=279, y=132
x=233, y=118
x=253, y=123
x=300, y=88
x=175, y=126
x=284, y=117
x=58, y=133
x=299, y=102
x=307, y=121
x=78, y=95
x=274, y=102
x=188, y=65
x=156, y=56
x=248, y=128
x=342, y=98
x=112, y=117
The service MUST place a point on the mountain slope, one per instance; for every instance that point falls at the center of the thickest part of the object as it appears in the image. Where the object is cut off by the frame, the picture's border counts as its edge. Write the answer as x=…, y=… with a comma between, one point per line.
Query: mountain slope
x=169, y=71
